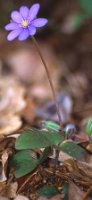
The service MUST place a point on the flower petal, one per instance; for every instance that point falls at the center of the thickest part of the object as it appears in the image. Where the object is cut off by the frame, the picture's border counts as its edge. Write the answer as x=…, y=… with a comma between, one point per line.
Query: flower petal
x=12, y=35
x=39, y=22
x=32, y=30
x=24, y=11
x=11, y=26
x=33, y=11
x=16, y=17
x=24, y=35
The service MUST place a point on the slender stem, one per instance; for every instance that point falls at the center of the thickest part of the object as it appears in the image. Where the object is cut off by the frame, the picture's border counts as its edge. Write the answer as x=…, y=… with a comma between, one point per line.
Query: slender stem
x=49, y=79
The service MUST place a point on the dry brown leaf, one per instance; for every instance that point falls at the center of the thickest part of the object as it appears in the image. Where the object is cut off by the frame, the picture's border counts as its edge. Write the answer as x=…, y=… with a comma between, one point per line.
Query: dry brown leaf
x=12, y=96
x=2, y=175
x=9, y=124
x=42, y=198
x=4, y=160
x=56, y=197
x=2, y=188
x=89, y=147
x=3, y=198
x=6, y=143
x=21, y=197
x=74, y=192
x=79, y=172
x=11, y=103
x=28, y=112
x=9, y=190
x=63, y=156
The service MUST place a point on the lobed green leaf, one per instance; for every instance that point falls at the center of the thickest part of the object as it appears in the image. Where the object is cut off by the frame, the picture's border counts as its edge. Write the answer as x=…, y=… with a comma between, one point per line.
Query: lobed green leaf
x=72, y=149
x=32, y=139
x=23, y=163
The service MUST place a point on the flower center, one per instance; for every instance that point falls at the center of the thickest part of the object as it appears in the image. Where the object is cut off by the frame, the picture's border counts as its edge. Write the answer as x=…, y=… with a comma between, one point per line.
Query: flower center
x=24, y=23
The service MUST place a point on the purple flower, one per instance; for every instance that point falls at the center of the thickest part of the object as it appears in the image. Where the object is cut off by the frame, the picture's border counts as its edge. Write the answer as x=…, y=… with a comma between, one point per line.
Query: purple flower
x=24, y=23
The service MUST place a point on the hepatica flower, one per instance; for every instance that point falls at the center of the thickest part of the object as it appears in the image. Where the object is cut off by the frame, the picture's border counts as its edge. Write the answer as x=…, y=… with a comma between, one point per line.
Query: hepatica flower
x=24, y=23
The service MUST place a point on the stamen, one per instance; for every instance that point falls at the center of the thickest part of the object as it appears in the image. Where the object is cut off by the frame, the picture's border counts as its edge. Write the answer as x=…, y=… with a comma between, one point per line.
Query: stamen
x=24, y=23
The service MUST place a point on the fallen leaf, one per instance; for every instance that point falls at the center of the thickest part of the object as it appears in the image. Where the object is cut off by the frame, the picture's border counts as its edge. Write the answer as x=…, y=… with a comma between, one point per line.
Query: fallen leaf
x=3, y=198
x=6, y=143
x=75, y=192
x=28, y=112
x=4, y=160
x=89, y=147
x=9, y=124
x=11, y=103
x=21, y=197
x=80, y=172
x=12, y=96
x=42, y=198
x=9, y=189
x=56, y=197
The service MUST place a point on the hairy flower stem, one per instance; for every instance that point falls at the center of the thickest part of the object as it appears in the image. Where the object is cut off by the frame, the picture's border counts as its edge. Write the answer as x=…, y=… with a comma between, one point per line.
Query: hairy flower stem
x=49, y=79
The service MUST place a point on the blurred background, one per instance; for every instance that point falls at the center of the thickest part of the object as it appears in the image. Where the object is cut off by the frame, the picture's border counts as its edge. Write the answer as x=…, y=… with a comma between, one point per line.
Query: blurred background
x=66, y=44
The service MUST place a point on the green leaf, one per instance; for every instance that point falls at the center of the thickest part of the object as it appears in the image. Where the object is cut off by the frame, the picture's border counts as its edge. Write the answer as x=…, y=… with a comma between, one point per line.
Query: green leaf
x=87, y=6
x=23, y=163
x=54, y=137
x=89, y=128
x=72, y=149
x=32, y=139
x=77, y=21
x=50, y=125
x=48, y=191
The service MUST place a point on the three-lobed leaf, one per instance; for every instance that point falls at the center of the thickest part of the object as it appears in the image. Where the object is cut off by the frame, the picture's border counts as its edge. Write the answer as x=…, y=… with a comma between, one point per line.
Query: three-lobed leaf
x=72, y=149
x=23, y=163
x=32, y=139
x=54, y=137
